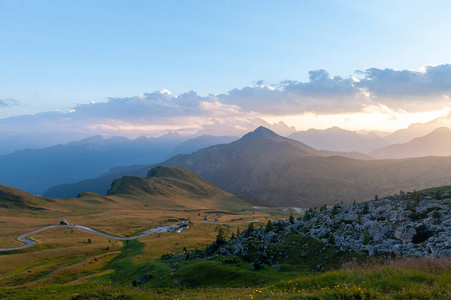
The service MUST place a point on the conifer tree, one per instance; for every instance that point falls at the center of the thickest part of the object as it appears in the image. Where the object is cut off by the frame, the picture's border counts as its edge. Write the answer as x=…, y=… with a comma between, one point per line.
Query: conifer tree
x=269, y=226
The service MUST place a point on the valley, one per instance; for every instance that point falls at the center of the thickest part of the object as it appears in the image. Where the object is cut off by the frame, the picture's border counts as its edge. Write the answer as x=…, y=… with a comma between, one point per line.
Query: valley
x=225, y=150
x=152, y=230
x=127, y=244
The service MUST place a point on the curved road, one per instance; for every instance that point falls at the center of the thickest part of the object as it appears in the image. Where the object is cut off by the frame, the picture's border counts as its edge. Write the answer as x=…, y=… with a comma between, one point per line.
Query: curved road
x=29, y=243
x=222, y=223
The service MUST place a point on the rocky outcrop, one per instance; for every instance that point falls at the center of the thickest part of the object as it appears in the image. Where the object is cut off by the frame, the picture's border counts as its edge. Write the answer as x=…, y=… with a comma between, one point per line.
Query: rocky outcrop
x=399, y=225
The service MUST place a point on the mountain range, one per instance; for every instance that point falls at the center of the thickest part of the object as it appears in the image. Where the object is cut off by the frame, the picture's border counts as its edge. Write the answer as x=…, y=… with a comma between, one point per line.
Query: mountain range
x=282, y=172
x=337, y=139
x=36, y=170
x=436, y=143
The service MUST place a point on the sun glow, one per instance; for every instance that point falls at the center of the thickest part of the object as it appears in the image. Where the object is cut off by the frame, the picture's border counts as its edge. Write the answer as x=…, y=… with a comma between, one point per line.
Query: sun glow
x=379, y=118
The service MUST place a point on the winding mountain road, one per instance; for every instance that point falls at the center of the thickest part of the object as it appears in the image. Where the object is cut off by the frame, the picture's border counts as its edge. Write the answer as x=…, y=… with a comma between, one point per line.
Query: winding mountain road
x=225, y=223
x=29, y=243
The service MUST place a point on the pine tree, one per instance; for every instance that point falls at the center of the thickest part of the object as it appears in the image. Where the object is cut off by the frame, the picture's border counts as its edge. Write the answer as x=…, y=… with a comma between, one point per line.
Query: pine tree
x=359, y=218
x=269, y=226
x=250, y=228
x=366, y=209
x=335, y=210
x=221, y=238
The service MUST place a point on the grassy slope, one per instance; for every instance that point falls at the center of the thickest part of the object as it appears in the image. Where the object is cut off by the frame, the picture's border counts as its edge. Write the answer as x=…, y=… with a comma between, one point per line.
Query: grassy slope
x=409, y=279
x=120, y=214
x=71, y=267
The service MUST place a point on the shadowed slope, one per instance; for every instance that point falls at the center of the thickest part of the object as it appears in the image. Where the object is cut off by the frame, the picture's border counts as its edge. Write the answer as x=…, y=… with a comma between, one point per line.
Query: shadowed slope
x=13, y=198
x=281, y=172
x=172, y=182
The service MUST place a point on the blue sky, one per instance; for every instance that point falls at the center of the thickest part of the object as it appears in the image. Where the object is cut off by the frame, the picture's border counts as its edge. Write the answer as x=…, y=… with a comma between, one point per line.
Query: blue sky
x=59, y=55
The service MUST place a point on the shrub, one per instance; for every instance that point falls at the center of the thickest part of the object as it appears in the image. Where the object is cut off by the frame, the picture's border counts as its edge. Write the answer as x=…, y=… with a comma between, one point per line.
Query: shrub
x=366, y=209
x=269, y=226
x=331, y=239
x=366, y=238
x=422, y=234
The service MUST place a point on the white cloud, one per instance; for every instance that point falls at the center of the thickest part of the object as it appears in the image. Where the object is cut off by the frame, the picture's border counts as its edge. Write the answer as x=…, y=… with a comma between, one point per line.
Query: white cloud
x=373, y=91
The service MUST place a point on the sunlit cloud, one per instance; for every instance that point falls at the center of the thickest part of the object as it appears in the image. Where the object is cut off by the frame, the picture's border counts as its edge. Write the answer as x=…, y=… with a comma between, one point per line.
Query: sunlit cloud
x=373, y=99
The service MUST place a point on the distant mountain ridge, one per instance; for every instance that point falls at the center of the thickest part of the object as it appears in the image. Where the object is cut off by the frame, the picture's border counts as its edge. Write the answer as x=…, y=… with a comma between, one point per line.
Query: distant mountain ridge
x=436, y=143
x=203, y=141
x=337, y=139
x=283, y=172
x=417, y=130
x=35, y=171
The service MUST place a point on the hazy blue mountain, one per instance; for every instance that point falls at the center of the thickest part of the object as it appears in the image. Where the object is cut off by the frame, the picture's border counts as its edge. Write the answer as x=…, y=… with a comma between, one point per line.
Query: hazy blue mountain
x=203, y=141
x=436, y=143
x=35, y=171
x=337, y=139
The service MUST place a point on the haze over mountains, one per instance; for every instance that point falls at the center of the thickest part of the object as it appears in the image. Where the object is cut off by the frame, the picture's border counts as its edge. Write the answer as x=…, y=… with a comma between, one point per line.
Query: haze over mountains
x=337, y=139
x=281, y=171
x=35, y=171
x=436, y=143
x=168, y=187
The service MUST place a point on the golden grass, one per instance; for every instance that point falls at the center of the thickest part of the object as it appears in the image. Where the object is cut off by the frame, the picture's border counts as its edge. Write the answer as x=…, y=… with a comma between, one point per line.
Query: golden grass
x=63, y=255
x=67, y=255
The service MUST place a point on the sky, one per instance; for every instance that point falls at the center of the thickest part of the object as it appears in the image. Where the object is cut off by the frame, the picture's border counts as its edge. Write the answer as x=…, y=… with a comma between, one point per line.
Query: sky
x=79, y=68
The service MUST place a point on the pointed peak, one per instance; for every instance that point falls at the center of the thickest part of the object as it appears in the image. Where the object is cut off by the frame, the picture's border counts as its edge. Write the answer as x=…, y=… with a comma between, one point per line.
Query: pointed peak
x=261, y=132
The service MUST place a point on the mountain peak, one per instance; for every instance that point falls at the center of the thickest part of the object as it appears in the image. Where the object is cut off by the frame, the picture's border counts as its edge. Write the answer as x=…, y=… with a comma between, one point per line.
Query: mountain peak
x=261, y=132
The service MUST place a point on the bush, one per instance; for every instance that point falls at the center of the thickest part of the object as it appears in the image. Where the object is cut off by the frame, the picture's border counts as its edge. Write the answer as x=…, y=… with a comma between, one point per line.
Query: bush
x=366, y=209
x=331, y=239
x=366, y=238
x=269, y=226
x=422, y=234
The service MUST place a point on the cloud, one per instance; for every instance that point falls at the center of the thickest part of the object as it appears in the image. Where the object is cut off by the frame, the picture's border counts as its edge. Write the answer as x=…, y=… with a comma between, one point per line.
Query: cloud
x=8, y=102
x=149, y=105
x=386, y=91
x=321, y=93
x=428, y=88
x=429, y=81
